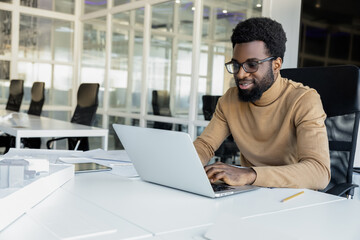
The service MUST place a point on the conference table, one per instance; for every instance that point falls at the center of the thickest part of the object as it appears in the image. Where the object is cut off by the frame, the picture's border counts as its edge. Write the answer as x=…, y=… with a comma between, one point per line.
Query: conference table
x=22, y=125
x=103, y=205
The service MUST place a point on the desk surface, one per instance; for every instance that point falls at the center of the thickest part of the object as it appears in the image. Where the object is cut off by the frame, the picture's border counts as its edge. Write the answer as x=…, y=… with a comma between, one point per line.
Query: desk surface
x=23, y=125
x=105, y=206
x=140, y=202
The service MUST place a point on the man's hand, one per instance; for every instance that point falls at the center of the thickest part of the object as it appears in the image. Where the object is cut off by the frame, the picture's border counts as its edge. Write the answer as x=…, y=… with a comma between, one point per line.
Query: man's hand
x=230, y=174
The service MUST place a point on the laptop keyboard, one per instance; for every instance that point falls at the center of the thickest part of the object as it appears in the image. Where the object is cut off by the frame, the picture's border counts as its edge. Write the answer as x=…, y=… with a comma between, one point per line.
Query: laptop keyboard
x=220, y=187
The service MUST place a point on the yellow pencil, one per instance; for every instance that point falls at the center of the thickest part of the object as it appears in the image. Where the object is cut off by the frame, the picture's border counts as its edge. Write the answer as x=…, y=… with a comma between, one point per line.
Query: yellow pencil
x=292, y=196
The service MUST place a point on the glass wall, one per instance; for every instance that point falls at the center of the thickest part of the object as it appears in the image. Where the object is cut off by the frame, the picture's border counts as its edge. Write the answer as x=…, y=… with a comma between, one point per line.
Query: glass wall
x=119, y=2
x=219, y=19
x=135, y=50
x=333, y=39
x=151, y=75
x=5, y=52
x=5, y=30
x=93, y=56
x=40, y=49
x=126, y=62
x=94, y=5
x=63, y=6
x=45, y=54
x=171, y=55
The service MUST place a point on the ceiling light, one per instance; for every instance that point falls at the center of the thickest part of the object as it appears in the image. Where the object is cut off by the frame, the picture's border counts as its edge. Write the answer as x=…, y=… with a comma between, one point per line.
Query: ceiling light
x=193, y=8
x=177, y=1
x=225, y=11
x=258, y=5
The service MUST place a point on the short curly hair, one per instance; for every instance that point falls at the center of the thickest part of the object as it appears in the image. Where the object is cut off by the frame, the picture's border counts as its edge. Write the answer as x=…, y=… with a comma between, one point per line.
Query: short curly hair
x=261, y=29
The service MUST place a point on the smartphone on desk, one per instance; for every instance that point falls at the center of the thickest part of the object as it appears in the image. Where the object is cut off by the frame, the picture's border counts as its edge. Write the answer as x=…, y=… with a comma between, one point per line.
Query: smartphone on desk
x=90, y=167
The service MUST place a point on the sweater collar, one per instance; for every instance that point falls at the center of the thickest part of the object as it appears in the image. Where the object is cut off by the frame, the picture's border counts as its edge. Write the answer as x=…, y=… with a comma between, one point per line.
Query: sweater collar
x=270, y=95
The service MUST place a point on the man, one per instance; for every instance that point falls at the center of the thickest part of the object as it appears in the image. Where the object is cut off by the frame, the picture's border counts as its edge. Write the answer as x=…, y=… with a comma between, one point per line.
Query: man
x=277, y=124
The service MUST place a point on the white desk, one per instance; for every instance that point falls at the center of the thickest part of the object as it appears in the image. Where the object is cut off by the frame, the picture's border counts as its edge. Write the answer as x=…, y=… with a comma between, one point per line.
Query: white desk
x=65, y=216
x=22, y=125
x=335, y=220
x=105, y=206
x=141, y=202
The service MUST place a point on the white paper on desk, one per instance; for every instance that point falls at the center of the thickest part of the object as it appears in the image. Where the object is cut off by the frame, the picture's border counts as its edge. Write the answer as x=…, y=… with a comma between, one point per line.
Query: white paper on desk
x=229, y=227
x=124, y=169
x=17, y=119
x=74, y=160
x=6, y=117
x=100, y=154
x=71, y=159
x=50, y=154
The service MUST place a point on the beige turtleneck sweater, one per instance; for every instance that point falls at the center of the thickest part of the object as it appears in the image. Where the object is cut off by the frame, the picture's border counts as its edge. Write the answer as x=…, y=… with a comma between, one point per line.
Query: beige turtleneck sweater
x=282, y=136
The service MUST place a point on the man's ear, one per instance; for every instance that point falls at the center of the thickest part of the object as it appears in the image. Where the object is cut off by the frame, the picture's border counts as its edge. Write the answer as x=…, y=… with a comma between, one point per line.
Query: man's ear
x=277, y=63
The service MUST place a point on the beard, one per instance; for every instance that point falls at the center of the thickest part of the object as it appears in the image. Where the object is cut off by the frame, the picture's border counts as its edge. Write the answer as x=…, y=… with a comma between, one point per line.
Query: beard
x=258, y=89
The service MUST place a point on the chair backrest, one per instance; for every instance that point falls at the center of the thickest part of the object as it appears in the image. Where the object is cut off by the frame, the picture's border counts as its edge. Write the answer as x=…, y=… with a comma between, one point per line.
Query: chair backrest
x=339, y=89
x=161, y=102
x=87, y=104
x=161, y=106
x=16, y=93
x=209, y=105
x=37, y=98
x=228, y=149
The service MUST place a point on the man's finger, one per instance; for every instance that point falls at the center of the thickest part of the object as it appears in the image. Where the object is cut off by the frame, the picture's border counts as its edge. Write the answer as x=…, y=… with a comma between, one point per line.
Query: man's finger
x=219, y=176
x=211, y=171
x=216, y=165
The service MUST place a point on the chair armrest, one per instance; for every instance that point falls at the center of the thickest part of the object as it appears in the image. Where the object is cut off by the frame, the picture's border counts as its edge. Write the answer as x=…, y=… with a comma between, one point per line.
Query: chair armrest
x=341, y=189
x=49, y=142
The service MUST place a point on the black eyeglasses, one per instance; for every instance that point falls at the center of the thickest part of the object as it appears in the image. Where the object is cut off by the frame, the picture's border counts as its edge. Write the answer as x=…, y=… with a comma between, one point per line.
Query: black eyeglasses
x=233, y=66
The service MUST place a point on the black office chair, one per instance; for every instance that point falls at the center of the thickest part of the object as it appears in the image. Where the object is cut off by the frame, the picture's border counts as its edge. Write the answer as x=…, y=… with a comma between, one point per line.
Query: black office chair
x=228, y=149
x=16, y=93
x=36, y=105
x=161, y=106
x=35, y=108
x=37, y=98
x=209, y=105
x=85, y=113
x=339, y=89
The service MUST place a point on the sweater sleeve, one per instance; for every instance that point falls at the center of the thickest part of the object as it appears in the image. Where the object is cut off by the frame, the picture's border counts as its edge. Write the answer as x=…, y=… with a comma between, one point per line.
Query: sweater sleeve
x=312, y=169
x=212, y=136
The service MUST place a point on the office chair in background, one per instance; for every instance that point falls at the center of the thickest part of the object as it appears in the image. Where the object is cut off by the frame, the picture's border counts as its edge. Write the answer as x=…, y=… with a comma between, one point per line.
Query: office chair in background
x=209, y=105
x=85, y=113
x=37, y=98
x=228, y=149
x=35, y=108
x=36, y=104
x=16, y=93
x=161, y=106
x=339, y=88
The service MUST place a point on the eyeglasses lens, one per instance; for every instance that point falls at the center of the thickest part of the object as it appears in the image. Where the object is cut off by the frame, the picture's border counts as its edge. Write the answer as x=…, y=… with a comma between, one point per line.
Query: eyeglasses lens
x=251, y=67
x=233, y=67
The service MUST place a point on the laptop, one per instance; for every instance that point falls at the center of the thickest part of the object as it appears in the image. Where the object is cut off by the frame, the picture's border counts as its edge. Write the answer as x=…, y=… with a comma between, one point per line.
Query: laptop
x=169, y=158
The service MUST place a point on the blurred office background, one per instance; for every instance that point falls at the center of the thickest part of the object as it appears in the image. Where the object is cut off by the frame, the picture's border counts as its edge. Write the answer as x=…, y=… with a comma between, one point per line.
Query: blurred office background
x=133, y=48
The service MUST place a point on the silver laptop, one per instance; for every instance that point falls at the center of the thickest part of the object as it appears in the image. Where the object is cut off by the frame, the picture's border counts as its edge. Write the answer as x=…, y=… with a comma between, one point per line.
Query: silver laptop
x=169, y=158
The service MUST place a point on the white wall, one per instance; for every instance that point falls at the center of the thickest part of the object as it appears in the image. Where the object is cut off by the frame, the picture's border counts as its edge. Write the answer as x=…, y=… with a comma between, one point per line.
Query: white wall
x=286, y=12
